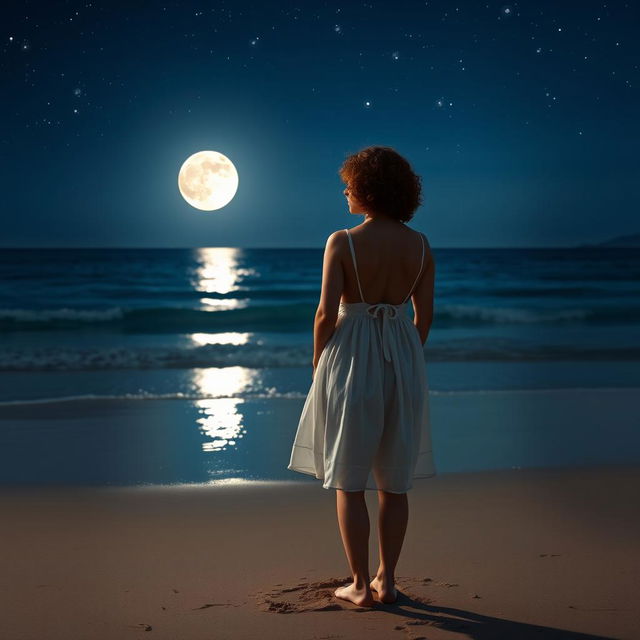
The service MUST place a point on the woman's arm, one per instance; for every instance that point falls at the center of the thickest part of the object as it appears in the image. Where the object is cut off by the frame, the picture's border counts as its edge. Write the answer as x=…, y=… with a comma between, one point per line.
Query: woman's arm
x=331, y=292
x=423, y=299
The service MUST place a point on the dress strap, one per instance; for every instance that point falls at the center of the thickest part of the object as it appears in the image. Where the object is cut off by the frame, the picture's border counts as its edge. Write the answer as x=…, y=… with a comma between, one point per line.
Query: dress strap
x=353, y=256
x=419, y=272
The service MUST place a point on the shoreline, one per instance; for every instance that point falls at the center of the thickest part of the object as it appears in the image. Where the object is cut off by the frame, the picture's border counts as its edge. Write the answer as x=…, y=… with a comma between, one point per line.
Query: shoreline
x=129, y=442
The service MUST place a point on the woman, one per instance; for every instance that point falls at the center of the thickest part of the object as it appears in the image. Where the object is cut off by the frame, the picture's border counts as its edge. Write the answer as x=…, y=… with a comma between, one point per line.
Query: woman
x=365, y=421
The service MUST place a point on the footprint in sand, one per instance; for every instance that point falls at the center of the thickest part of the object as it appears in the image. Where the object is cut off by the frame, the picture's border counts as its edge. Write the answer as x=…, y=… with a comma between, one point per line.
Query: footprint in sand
x=303, y=597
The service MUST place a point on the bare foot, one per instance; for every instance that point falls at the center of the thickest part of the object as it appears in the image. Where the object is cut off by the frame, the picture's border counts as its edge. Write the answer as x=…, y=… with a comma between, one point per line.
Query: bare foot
x=386, y=591
x=361, y=597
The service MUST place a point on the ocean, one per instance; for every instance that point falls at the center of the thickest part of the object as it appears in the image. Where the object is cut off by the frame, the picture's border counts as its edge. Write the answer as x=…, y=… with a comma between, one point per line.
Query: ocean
x=168, y=366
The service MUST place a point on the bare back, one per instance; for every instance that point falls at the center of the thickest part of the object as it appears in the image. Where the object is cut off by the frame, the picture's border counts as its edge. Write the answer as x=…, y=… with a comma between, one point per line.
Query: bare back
x=388, y=262
x=389, y=259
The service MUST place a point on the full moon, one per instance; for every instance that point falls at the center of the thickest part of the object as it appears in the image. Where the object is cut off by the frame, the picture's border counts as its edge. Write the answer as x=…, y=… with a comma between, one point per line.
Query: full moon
x=208, y=180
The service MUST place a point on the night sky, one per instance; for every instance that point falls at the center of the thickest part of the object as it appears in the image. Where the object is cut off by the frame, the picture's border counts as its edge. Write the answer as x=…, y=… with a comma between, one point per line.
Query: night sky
x=521, y=119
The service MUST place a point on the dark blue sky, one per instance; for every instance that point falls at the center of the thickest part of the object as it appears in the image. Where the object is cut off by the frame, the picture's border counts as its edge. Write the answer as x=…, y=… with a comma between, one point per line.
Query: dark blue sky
x=521, y=118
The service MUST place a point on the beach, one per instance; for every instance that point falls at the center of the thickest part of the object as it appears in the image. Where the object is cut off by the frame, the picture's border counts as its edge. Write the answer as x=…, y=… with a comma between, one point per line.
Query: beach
x=147, y=414
x=544, y=553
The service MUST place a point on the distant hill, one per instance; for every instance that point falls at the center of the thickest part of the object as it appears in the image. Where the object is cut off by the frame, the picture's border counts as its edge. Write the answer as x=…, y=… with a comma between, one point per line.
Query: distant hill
x=630, y=240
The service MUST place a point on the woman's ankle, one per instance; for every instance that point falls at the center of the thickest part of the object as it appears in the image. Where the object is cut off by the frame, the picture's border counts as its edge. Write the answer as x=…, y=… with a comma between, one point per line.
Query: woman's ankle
x=383, y=576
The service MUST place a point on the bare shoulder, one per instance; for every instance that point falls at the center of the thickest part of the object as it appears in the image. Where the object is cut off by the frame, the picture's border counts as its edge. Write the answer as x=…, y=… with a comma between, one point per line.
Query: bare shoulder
x=428, y=255
x=424, y=235
x=427, y=245
x=355, y=229
x=336, y=241
x=336, y=236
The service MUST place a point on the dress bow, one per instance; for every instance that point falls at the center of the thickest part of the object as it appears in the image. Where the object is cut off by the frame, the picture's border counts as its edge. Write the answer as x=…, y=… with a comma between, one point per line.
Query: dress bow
x=386, y=312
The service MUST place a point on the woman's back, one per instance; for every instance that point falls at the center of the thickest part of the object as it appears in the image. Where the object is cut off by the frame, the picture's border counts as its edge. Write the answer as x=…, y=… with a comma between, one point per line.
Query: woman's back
x=389, y=262
x=388, y=258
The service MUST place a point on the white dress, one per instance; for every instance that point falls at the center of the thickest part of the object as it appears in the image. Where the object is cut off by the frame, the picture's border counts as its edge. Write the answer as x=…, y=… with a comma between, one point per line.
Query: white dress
x=365, y=421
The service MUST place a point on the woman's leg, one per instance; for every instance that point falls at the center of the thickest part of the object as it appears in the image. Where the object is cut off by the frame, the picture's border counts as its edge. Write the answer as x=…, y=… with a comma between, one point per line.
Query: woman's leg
x=392, y=524
x=353, y=519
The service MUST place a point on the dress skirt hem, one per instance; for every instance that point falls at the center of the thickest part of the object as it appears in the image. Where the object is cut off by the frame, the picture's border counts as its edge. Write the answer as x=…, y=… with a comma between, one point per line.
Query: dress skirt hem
x=368, y=483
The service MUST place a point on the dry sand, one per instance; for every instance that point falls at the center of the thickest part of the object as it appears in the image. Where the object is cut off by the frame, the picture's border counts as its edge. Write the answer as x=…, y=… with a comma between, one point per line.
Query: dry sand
x=551, y=553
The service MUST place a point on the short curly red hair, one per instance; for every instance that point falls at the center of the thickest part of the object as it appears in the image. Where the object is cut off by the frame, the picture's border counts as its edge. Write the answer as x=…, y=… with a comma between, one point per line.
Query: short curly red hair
x=382, y=180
